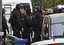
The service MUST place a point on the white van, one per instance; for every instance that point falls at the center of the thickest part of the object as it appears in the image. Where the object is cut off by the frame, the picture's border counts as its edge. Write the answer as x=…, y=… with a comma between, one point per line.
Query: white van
x=14, y=2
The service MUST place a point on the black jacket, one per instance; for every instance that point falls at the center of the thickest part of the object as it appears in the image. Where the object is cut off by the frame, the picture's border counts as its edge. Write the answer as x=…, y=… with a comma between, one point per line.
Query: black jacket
x=15, y=18
x=36, y=23
x=37, y=20
x=4, y=24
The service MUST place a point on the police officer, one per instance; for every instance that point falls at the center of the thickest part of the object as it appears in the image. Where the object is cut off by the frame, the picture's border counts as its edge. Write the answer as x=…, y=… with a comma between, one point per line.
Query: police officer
x=14, y=21
x=4, y=24
x=25, y=20
x=29, y=24
x=36, y=22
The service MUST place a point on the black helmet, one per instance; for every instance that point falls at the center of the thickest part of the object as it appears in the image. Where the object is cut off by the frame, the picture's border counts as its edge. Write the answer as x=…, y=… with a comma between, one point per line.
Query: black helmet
x=37, y=7
x=22, y=6
x=18, y=6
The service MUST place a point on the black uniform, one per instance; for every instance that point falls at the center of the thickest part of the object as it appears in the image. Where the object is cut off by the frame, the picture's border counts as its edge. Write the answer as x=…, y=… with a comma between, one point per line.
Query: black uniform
x=24, y=25
x=4, y=26
x=29, y=27
x=15, y=22
x=37, y=24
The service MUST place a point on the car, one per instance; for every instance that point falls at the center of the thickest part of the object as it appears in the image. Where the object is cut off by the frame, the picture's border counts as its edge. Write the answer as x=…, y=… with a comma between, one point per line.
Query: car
x=55, y=24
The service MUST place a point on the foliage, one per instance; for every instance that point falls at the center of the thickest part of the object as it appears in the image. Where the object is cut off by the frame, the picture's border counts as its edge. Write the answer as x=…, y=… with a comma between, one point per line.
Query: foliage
x=47, y=3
